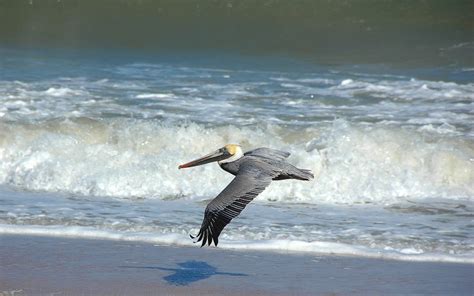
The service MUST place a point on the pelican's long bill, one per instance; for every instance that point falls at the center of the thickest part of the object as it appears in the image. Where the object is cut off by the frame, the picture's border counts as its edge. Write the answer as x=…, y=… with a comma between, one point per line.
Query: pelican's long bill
x=211, y=157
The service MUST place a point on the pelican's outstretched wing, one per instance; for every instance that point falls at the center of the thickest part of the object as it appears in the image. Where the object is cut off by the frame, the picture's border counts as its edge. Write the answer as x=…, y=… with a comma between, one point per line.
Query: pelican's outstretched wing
x=251, y=180
x=269, y=153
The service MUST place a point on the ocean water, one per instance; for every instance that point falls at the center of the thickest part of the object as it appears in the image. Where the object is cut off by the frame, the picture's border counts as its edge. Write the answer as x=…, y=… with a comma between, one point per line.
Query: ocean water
x=90, y=148
x=92, y=133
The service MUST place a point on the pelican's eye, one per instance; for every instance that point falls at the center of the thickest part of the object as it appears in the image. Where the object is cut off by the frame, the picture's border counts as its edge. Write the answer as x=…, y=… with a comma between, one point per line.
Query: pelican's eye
x=224, y=151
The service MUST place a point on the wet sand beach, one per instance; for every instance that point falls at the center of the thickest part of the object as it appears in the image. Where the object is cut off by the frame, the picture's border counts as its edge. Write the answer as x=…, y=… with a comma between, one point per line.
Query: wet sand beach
x=34, y=265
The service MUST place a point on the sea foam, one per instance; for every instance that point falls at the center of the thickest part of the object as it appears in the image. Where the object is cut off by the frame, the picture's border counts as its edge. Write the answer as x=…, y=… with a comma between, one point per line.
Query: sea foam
x=137, y=158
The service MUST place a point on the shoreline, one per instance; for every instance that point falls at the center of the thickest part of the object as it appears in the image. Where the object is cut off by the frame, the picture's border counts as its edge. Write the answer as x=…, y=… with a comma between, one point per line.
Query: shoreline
x=317, y=248
x=42, y=265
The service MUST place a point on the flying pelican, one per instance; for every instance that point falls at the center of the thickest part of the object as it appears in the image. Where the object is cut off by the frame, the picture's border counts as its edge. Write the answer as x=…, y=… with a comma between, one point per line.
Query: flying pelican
x=253, y=170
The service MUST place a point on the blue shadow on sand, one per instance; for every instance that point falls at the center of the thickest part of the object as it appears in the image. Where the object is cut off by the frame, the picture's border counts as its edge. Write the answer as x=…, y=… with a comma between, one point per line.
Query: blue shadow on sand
x=189, y=272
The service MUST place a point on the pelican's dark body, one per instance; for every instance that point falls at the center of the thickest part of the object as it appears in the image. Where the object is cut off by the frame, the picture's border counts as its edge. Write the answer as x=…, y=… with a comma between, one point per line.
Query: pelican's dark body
x=262, y=155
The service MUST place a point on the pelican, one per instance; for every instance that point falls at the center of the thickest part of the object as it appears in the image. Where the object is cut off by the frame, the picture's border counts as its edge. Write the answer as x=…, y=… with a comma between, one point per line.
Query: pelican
x=253, y=170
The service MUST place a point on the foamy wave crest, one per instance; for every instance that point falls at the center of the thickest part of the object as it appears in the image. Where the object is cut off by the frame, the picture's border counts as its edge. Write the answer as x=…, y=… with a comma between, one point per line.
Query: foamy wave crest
x=406, y=90
x=126, y=158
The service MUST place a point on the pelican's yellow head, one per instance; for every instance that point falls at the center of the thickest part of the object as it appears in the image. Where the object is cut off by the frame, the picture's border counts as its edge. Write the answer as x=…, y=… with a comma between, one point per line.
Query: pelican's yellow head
x=228, y=153
x=234, y=150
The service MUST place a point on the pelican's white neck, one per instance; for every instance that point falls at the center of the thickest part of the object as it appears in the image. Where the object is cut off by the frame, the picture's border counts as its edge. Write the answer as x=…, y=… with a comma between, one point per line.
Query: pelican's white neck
x=237, y=154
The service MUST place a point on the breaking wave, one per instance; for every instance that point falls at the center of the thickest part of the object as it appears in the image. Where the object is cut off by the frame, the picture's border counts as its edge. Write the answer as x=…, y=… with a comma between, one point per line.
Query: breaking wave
x=127, y=158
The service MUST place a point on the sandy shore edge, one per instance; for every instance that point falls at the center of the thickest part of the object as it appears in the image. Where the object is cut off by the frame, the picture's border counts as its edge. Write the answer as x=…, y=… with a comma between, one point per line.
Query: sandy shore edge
x=37, y=265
